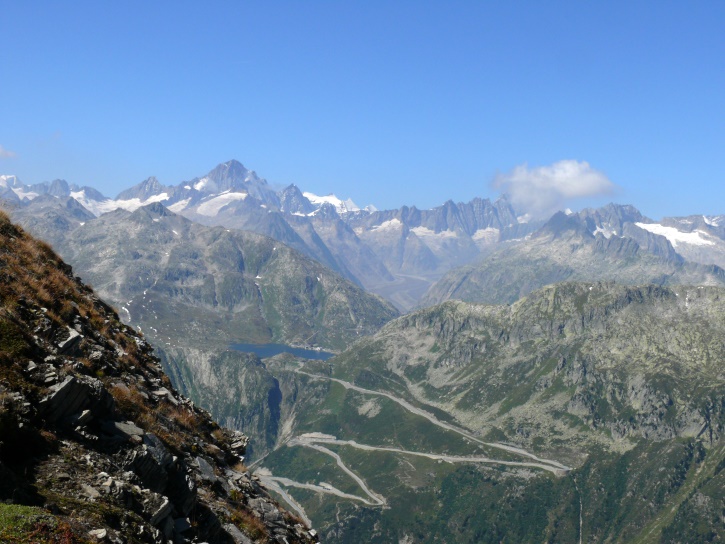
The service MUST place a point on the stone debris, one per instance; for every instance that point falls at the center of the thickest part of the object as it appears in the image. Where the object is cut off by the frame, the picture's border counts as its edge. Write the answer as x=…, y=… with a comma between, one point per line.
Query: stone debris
x=70, y=345
x=125, y=429
x=98, y=534
x=90, y=492
x=238, y=536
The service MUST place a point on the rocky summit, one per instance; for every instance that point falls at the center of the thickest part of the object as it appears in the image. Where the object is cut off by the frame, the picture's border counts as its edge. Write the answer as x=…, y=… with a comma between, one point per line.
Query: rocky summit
x=95, y=443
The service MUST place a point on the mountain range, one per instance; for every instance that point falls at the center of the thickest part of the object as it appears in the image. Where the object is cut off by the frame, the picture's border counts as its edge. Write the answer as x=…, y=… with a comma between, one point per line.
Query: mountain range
x=398, y=254
x=610, y=243
x=559, y=381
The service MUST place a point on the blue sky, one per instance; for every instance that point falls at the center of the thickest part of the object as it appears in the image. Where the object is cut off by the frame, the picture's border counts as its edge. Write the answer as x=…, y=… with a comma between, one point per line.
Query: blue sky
x=391, y=103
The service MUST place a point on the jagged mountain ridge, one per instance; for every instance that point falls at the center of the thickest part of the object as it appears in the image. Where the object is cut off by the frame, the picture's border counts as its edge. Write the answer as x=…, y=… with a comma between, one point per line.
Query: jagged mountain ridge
x=610, y=243
x=96, y=445
x=580, y=373
x=396, y=253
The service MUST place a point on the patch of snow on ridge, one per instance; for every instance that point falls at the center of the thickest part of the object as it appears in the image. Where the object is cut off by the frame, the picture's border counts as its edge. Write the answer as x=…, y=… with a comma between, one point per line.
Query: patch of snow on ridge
x=712, y=221
x=391, y=224
x=94, y=206
x=675, y=236
x=606, y=232
x=99, y=207
x=426, y=232
x=8, y=180
x=489, y=234
x=22, y=194
x=16, y=186
x=341, y=206
x=211, y=207
x=180, y=205
x=199, y=185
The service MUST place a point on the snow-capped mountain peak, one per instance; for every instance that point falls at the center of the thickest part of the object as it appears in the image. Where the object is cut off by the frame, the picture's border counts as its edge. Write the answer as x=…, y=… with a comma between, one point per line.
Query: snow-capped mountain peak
x=144, y=190
x=341, y=206
x=9, y=181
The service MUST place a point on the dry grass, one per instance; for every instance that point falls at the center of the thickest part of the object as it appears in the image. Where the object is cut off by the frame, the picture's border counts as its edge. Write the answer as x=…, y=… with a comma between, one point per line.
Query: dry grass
x=182, y=416
x=251, y=524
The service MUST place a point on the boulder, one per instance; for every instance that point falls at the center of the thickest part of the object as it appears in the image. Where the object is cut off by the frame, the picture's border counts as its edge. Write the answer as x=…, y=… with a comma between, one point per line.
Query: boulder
x=73, y=395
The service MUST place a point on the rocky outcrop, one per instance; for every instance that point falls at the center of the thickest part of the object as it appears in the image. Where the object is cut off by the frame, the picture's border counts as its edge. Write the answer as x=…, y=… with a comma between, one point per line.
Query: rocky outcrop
x=115, y=453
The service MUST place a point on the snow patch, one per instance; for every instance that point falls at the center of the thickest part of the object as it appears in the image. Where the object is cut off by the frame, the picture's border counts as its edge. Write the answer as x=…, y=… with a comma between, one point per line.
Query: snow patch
x=391, y=224
x=675, y=236
x=489, y=234
x=712, y=221
x=605, y=231
x=199, y=185
x=211, y=207
x=23, y=194
x=180, y=205
x=426, y=232
x=341, y=206
x=8, y=181
x=99, y=207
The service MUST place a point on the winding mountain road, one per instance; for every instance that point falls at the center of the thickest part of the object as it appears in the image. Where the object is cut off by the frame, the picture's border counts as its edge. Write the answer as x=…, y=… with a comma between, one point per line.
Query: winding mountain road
x=315, y=441
x=311, y=440
x=554, y=466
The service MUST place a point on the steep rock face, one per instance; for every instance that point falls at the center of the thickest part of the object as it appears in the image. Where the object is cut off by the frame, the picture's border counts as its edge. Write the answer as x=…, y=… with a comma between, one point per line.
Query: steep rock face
x=294, y=202
x=147, y=188
x=93, y=431
x=243, y=392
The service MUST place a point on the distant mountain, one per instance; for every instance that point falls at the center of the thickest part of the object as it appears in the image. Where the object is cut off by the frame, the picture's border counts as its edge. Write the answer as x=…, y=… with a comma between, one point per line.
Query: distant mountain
x=396, y=253
x=611, y=243
x=400, y=254
x=163, y=270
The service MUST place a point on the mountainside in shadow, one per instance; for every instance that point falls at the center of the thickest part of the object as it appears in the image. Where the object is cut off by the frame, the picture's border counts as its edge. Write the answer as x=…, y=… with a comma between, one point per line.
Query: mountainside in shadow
x=590, y=412
x=95, y=443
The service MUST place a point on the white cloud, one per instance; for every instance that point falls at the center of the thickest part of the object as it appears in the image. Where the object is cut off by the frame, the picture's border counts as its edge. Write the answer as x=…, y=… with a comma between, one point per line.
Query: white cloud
x=6, y=153
x=543, y=190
